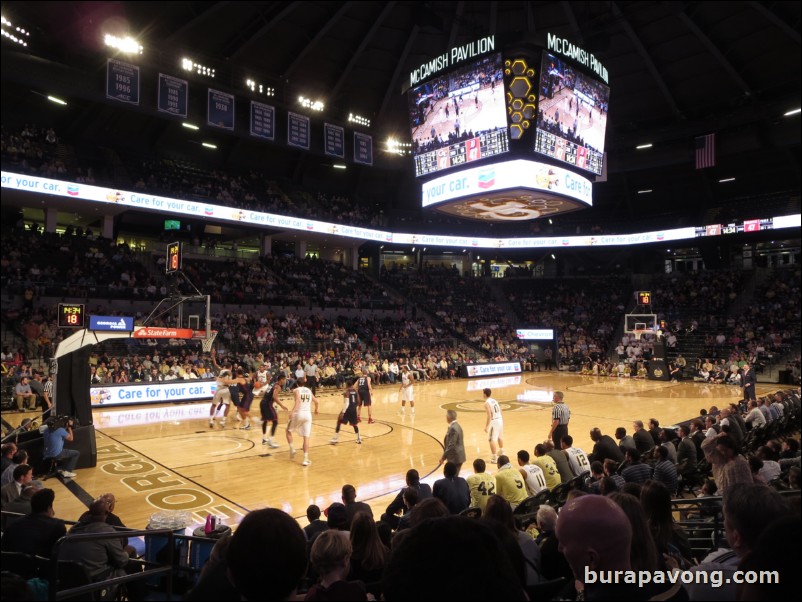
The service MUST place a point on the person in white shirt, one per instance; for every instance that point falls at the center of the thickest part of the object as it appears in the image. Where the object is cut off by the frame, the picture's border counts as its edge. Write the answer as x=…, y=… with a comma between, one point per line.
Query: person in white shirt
x=407, y=394
x=394, y=372
x=494, y=426
x=532, y=473
x=577, y=459
x=301, y=418
x=754, y=416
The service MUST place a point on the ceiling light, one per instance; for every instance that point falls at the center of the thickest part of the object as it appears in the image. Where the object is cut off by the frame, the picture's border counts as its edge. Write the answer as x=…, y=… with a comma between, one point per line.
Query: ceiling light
x=308, y=103
x=353, y=118
x=209, y=145
x=642, y=146
x=57, y=100
x=647, y=191
x=723, y=180
x=338, y=166
x=190, y=65
x=552, y=256
x=255, y=86
x=792, y=112
x=17, y=34
x=127, y=45
x=190, y=126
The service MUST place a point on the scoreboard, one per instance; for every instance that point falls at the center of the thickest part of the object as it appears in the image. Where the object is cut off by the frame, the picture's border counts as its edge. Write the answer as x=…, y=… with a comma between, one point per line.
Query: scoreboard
x=569, y=152
x=749, y=225
x=485, y=144
x=71, y=315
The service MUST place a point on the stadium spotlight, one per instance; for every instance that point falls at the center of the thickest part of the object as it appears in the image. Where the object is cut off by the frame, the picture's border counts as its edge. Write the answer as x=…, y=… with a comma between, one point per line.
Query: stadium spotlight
x=308, y=103
x=399, y=148
x=725, y=180
x=56, y=100
x=208, y=145
x=126, y=45
x=553, y=256
x=258, y=88
x=15, y=34
x=352, y=118
x=642, y=146
x=190, y=65
x=792, y=112
x=190, y=126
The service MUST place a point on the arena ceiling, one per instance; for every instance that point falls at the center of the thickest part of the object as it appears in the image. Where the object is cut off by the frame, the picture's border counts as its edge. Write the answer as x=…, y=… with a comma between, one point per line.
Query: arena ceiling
x=677, y=70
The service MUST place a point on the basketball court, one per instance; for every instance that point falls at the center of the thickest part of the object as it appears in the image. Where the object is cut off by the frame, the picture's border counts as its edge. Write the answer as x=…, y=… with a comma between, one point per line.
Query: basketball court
x=165, y=457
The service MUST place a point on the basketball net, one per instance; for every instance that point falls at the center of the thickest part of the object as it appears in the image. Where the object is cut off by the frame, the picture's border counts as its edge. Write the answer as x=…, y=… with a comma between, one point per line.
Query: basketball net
x=207, y=342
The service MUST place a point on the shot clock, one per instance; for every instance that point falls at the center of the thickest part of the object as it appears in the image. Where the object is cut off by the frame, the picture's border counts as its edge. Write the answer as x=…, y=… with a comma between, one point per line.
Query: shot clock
x=71, y=315
x=173, y=257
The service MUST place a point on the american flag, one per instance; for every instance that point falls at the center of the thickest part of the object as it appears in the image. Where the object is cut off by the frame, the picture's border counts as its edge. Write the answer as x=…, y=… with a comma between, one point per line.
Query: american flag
x=705, y=151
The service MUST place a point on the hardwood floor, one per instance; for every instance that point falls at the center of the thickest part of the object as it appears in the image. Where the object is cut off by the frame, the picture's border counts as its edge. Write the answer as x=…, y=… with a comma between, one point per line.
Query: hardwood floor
x=167, y=458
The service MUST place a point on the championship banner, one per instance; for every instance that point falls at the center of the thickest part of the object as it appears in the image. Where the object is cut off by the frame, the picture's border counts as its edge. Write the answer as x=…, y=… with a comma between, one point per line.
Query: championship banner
x=173, y=95
x=334, y=140
x=220, y=110
x=298, y=130
x=122, y=81
x=263, y=121
x=363, y=149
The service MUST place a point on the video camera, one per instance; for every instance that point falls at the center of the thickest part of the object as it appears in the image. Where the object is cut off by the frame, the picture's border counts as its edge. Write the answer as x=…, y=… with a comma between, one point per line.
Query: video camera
x=57, y=422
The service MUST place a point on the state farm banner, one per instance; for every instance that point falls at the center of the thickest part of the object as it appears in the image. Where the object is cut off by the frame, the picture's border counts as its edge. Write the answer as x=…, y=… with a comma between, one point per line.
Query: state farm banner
x=157, y=332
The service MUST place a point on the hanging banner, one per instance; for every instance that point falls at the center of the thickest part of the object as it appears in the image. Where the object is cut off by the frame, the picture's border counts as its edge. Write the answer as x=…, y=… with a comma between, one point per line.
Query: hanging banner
x=173, y=95
x=298, y=130
x=263, y=121
x=220, y=111
x=122, y=81
x=363, y=149
x=334, y=140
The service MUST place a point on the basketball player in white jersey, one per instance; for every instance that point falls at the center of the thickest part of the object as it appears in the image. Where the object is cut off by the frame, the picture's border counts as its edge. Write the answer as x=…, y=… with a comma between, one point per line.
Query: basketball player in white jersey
x=577, y=459
x=407, y=394
x=532, y=473
x=494, y=427
x=301, y=418
x=222, y=397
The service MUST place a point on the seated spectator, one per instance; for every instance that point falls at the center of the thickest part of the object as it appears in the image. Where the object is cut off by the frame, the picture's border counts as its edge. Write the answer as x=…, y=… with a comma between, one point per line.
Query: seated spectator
x=604, y=447
x=369, y=554
x=499, y=511
x=665, y=471
x=330, y=556
x=103, y=558
x=351, y=505
x=669, y=538
x=636, y=471
x=397, y=505
x=22, y=475
x=267, y=572
x=472, y=548
x=453, y=490
x=315, y=525
x=729, y=466
x=625, y=441
x=644, y=441
x=37, y=532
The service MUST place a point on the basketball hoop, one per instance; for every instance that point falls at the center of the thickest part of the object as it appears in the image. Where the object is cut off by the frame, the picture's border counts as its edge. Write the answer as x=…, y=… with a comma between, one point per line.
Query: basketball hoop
x=206, y=342
x=639, y=332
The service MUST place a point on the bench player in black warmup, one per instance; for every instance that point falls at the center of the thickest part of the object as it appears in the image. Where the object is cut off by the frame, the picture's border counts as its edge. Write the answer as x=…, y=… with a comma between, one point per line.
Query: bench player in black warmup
x=348, y=414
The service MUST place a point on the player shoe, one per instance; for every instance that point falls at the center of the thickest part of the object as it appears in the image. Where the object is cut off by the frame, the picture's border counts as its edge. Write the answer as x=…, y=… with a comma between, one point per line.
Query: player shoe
x=273, y=445
x=211, y=424
x=67, y=474
x=359, y=441
x=403, y=411
x=334, y=440
x=371, y=421
x=265, y=441
x=222, y=424
x=493, y=459
x=292, y=452
x=412, y=411
x=238, y=418
x=358, y=419
x=306, y=462
x=247, y=427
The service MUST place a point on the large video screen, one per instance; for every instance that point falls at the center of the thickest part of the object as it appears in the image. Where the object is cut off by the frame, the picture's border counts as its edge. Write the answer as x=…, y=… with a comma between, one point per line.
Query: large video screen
x=572, y=115
x=459, y=117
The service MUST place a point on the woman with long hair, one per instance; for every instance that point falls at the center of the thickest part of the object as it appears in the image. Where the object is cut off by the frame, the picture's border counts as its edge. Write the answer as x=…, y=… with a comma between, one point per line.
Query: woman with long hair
x=499, y=512
x=369, y=554
x=670, y=539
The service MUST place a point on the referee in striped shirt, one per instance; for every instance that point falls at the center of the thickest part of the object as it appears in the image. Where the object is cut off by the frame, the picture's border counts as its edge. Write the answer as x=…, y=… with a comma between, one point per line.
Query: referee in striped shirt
x=48, y=397
x=560, y=416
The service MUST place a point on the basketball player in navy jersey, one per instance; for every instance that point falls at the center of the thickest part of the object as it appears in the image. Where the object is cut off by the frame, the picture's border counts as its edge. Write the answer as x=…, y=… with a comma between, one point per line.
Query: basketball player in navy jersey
x=348, y=413
x=269, y=413
x=364, y=391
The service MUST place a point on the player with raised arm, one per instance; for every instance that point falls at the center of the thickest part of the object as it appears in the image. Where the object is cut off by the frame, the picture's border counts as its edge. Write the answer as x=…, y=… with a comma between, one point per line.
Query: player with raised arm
x=222, y=396
x=301, y=418
x=348, y=413
x=269, y=413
